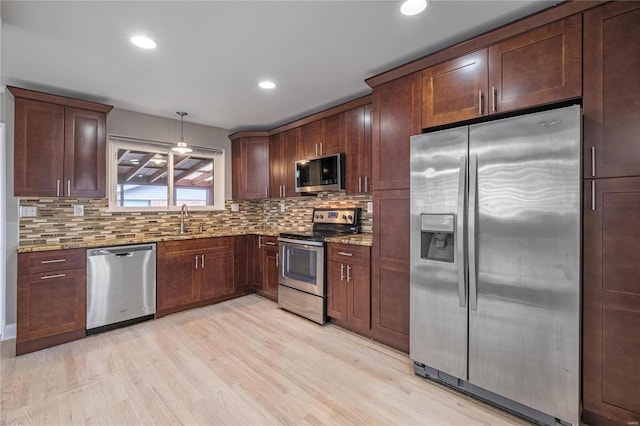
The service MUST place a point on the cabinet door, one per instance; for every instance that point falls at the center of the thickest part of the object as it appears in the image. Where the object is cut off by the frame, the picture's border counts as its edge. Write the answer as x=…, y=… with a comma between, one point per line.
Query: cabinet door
x=177, y=284
x=611, y=90
x=270, y=273
x=390, y=269
x=455, y=90
x=396, y=117
x=611, y=316
x=241, y=261
x=309, y=141
x=254, y=260
x=359, y=298
x=290, y=155
x=332, y=135
x=216, y=274
x=255, y=160
x=39, y=149
x=358, y=150
x=50, y=304
x=276, y=165
x=538, y=67
x=337, y=291
x=84, y=153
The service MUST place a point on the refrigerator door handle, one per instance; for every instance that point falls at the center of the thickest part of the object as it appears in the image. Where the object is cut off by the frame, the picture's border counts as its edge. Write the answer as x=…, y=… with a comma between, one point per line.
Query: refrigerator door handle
x=462, y=272
x=471, y=220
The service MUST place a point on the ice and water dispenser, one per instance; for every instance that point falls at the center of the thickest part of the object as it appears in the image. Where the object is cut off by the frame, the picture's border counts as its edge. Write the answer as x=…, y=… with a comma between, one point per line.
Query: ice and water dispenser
x=437, y=237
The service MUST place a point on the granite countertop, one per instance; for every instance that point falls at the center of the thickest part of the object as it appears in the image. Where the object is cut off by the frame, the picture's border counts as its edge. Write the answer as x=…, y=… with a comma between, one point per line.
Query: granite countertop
x=355, y=239
x=144, y=239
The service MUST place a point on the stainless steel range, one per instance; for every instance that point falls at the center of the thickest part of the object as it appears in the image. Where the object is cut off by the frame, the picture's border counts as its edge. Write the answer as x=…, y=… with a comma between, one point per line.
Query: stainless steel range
x=302, y=283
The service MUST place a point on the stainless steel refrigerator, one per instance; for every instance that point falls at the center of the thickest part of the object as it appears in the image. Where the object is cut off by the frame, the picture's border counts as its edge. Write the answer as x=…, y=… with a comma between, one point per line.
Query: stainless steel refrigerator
x=495, y=261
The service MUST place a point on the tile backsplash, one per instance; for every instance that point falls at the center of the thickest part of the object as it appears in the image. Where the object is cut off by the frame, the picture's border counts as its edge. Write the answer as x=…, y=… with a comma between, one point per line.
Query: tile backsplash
x=56, y=223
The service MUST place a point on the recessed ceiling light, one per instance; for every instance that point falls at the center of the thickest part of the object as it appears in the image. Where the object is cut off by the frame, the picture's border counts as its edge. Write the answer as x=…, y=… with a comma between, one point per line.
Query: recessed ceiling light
x=413, y=7
x=267, y=84
x=143, y=42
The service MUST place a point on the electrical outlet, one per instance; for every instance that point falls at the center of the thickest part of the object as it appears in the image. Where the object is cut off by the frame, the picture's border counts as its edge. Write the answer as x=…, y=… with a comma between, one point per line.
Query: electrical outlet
x=235, y=207
x=282, y=208
x=369, y=206
x=78, y=210
x=27, y=211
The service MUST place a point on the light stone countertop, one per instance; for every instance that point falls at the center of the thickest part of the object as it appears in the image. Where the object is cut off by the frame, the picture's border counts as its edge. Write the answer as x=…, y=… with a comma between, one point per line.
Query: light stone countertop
x=144, y=239
x=355, y=239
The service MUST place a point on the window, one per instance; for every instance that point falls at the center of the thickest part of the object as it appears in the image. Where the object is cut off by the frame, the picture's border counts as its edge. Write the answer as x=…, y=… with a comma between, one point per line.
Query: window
x=149, y=176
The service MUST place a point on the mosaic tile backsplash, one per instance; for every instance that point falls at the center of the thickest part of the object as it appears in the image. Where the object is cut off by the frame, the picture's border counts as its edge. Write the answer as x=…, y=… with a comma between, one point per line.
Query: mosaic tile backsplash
x=56, y=224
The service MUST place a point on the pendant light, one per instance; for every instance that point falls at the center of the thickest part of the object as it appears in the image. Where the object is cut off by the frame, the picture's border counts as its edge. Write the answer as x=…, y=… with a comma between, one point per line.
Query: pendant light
x=181, y=146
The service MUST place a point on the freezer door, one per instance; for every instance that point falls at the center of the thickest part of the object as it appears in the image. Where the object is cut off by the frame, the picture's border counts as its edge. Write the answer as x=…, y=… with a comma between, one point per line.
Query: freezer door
x=438, y=315
x=524, y=317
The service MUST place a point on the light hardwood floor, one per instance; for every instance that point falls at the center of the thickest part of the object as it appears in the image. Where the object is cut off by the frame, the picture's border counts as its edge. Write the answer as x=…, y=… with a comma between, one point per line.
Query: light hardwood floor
x=244, y=361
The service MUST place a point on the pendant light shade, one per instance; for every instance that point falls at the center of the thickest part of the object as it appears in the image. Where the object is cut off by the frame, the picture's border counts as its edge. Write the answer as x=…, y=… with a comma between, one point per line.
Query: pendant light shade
x=181, y=146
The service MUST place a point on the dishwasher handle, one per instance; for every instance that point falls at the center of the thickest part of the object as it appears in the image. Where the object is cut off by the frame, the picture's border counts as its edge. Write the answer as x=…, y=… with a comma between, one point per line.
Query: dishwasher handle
x=127, y=251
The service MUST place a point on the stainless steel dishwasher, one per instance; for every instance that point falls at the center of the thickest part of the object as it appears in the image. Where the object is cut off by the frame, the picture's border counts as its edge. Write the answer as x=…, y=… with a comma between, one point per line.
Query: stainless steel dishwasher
x=121, y=286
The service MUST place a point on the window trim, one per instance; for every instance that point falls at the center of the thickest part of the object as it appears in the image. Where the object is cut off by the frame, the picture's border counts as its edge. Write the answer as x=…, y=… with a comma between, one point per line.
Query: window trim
x=116, y=142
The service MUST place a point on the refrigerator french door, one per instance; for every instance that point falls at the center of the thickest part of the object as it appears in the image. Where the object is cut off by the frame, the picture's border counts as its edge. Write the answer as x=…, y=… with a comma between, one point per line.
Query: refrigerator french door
x=495, y=261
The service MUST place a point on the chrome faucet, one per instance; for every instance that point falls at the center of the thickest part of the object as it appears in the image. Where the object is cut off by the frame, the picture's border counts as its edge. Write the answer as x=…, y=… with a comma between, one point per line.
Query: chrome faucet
x=184, y=214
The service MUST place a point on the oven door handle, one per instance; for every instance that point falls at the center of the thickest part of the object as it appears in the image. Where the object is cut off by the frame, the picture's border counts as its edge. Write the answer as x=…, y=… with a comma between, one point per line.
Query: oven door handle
x=301, y=243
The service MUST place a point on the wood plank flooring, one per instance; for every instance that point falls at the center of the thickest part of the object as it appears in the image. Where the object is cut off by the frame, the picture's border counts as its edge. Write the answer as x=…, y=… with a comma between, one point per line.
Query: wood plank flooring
x=244, y=361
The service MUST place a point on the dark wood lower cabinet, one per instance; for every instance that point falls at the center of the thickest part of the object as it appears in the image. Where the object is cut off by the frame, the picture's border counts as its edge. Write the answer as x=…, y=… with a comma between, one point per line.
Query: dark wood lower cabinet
x=390, y=269
x=349, y=287
x=611, y=302
x=196, y=272
x=51, y=299
x=270, y=262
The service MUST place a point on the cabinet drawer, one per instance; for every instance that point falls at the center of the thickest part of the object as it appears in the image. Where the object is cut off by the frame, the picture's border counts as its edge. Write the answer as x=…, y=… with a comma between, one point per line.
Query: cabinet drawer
x=357, y=255
x=197, y=245
x=49, y=261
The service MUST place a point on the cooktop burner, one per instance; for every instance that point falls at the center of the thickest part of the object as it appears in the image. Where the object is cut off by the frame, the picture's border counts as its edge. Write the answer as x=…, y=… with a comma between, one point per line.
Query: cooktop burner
x=329, y=223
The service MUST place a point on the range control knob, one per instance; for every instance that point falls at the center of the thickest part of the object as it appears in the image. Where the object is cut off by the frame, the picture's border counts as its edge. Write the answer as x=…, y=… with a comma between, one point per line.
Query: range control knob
x=344, y=217
x=350, y=217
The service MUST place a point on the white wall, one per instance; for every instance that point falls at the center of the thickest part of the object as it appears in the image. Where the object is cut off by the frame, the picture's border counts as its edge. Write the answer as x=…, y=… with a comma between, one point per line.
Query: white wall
x=129, y=123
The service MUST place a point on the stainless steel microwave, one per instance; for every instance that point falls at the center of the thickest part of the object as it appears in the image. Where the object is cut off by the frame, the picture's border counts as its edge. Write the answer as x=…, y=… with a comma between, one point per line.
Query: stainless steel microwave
x=320, y=174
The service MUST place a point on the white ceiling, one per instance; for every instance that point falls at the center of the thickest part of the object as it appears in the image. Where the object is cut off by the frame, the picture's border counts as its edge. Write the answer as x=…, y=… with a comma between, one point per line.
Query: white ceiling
x=211, y=54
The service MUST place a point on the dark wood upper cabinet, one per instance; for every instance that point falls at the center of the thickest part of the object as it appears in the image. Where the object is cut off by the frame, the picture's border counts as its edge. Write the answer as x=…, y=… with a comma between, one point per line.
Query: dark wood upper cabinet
x=455, y=90
x=250, y=163
x=60, y=146
x=358, y=150
x=309, y=140
x=538, y=67
x=612, y=90
x=332, y=135
x=85, y=153
x=283, y=151
x=39, y=148
x=396, y=117
x=611, y=302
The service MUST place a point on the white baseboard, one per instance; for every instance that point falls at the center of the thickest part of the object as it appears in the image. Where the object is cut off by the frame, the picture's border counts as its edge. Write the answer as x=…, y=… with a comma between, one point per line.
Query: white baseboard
x=9, y=332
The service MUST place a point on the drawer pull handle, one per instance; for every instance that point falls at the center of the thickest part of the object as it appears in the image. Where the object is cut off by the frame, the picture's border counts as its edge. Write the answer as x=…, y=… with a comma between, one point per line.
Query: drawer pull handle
x=48, y=277
x=344, y=253
x=270, y=243
x=53, y=261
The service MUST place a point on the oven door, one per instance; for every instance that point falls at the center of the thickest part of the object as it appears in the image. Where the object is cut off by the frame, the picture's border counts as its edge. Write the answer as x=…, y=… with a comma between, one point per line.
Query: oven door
x=302, y=265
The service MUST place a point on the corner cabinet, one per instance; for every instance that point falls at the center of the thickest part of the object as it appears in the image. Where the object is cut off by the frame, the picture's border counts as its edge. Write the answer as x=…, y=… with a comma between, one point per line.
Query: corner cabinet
x=51, y=299
x=194, y=273
x=250, y=165
x=538, y=67
x=357, y=130
x=60, y=146
x=349, y=287
x=283, y=153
